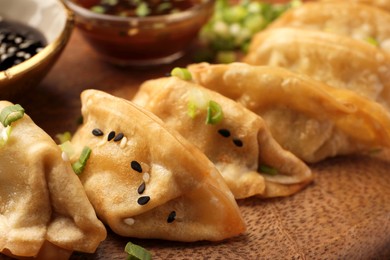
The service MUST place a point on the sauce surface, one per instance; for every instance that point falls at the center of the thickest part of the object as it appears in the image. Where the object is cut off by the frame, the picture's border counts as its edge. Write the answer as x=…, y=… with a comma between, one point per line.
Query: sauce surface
x=137, y=8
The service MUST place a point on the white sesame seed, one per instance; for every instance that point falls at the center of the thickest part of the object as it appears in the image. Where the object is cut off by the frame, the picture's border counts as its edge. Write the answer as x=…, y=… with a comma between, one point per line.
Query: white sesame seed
x=129, y=221
x=123, y=142
x=146, y=177
x=64, y=157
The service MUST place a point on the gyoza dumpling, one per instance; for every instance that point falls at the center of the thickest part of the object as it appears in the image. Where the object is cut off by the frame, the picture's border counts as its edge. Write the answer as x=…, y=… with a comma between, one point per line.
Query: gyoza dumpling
x=384, y=4
x=44, y=211
x=149, y=182
x=239, y=145
x=308, y=118
x=359, y=21
x=335, y=60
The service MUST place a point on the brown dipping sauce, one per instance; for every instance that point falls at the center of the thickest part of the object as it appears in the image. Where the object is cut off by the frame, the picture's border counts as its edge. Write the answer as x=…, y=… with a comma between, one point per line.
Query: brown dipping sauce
x=145, y=40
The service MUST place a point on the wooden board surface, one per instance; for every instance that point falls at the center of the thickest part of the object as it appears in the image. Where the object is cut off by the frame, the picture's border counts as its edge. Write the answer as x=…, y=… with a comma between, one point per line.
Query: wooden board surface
x=344, y=214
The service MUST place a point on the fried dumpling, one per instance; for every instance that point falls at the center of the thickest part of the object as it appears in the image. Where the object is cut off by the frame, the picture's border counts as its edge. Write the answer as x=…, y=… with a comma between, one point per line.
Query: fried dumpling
x=383, y=4
x=338, y=61
x=147, y=181
x=44, y=211
x=239, y=144
x=308, y=118
x=359, y=21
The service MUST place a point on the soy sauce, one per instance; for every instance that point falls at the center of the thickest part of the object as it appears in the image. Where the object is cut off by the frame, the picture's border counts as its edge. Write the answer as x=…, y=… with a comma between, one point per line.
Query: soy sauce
x=18, y=42
x=134, y=8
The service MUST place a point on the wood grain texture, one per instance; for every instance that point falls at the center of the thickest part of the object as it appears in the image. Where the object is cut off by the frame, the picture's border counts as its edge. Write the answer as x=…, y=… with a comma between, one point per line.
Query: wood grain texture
x=344, y=214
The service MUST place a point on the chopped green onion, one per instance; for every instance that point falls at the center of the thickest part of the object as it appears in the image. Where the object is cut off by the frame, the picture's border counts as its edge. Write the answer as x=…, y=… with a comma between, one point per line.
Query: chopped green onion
x=372, y=41
x=142, y=9
x=181, y=73
x=191, y=111
x=11, y=114
x=5, y=134
x=66, y=136
x=79, y=165
x=67, y=148
x=234, y=23
x=226, y=56
x=98, y=9
x=268, y=170
x=214, y=113
x=136, y=252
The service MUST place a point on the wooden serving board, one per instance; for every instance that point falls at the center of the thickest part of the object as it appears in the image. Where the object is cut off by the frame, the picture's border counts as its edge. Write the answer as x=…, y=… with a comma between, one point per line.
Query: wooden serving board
x=344, y=214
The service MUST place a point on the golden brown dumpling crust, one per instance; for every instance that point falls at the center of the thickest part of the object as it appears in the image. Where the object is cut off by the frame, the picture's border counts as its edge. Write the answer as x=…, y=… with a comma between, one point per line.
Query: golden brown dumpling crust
x=336, y=60
x=383, y=4
x=238, y=145
x=308, y=118
x=358, y=21
x=149, y=182
x=44, y=209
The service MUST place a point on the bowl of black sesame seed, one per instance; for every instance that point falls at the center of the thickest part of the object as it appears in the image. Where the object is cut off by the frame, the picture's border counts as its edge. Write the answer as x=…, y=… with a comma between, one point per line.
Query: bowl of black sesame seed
x=140, y=32
x=32, y=36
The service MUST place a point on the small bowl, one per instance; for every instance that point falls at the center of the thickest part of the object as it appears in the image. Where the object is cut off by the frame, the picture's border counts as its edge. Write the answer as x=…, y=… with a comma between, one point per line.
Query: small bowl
x=49, y=17
x=140, y=41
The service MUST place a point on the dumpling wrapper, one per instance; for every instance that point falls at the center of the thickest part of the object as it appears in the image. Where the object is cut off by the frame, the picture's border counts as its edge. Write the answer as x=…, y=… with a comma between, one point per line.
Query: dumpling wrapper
x=169, y=98
x=358, y=21
x=177, y=176
x=44, y=210
x=336, y=60
x=312, y=120
x=383, y=4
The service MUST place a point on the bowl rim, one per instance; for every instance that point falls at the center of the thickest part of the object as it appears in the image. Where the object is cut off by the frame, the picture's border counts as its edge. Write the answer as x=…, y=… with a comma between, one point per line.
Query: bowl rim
x=174, y=17
x=49, y=50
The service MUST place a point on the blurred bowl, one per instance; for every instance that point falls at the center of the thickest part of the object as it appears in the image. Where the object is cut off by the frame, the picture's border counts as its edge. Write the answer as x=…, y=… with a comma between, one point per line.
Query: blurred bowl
x=54, y=21
x=140, y=41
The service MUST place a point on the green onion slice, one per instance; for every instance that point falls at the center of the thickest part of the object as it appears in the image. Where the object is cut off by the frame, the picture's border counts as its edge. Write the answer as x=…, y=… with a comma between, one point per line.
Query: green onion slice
x=214, y=113
x=66, y=136
x=142, y=9
x=268, y=170
x=5, y=134
x=372, y=41
x=79, y=166
x=136, y=252
x=11, y=114
x=181, y=73
x=191, y=111
x=67, y=148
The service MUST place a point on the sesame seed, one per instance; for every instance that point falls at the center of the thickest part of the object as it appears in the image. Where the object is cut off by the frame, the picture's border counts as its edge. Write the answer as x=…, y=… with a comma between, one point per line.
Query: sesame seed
x=64, y=157
x=111, y=135
x=118, y=137
x=129, y=221
x=97, y=132
x=224, y=132
x=123, y=142
x=171, y=217
x=141, y=188
x=143, y=200
x=136, y=166
x=238, y=142
x=146, y=177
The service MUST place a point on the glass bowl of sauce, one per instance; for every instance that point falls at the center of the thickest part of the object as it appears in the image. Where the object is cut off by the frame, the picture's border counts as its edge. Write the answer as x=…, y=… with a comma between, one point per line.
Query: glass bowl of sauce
x=140, y=32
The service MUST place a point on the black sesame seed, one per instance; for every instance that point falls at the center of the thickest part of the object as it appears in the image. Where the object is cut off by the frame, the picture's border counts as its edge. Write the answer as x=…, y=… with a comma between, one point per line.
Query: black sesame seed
x=97, y=132
x=171, y=217
x=238, y=142
x=111, y=135
x=118, y=137
x=136, y=166
x=143, y=200
x=224, y=132
x=141, y=188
